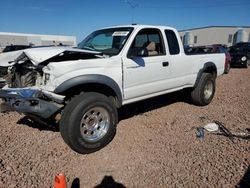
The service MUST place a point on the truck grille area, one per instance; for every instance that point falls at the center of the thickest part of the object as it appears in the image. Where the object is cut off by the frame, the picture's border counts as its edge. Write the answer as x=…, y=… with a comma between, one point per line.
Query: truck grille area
x=23, y=75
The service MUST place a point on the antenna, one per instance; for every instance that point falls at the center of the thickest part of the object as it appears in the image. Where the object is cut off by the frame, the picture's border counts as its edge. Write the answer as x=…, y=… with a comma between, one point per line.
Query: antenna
x=132, y=6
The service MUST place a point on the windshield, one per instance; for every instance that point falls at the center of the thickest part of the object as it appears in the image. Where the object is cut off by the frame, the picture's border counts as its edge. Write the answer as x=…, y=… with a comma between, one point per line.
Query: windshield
x=108, y=41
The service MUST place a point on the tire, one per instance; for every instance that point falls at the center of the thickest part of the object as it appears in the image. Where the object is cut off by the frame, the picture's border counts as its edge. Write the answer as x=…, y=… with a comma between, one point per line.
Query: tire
x=246, y=64
x=204, y=92
x=227, y=69
x=88, y=122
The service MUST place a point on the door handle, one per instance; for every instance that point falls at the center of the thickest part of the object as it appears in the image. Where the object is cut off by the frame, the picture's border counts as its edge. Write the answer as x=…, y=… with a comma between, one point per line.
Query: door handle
x=165, y=64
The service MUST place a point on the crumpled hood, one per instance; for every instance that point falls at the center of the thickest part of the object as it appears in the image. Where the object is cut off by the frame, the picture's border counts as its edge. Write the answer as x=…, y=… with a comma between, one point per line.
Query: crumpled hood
x=39, y=55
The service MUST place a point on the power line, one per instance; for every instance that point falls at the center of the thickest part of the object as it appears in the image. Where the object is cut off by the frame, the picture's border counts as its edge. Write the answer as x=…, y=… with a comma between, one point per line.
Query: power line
x=134, y=5
x=194, y=6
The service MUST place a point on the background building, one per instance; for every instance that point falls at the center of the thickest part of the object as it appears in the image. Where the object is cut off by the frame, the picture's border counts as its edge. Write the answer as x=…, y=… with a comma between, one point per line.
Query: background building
x=34, y=39
x=228, y=35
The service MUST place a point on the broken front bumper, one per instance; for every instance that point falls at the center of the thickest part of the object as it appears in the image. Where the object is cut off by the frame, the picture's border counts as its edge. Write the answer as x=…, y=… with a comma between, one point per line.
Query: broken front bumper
x=36, y=102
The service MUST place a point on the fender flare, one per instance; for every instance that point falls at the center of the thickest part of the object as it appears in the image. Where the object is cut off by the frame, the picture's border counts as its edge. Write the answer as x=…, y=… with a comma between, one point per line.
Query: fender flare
x=90, y=79
x=208, y=65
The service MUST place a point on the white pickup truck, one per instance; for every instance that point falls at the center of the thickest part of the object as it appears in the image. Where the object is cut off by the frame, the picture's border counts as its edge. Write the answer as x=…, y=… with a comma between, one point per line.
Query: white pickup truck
x=112, y=67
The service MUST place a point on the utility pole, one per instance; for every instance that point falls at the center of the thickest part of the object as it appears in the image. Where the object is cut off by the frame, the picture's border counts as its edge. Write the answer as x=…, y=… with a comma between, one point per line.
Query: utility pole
x=132, y=6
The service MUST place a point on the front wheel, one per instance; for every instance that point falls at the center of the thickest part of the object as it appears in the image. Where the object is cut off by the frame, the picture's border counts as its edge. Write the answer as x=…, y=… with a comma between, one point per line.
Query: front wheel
x=227, y=69
x=203, y=93
x=88, y=122
x=247, y=64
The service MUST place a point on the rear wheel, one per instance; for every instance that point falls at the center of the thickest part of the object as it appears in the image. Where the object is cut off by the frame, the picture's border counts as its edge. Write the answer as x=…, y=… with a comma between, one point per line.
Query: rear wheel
x=88, y=122
x=227, y=69
x=203, y=93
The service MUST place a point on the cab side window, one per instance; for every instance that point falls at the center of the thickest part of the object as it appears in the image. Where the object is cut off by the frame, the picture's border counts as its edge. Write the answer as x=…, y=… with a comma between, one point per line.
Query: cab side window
x=151, y=39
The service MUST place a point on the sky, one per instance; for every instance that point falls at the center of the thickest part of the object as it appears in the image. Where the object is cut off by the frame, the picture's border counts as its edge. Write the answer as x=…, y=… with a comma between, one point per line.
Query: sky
x=81, y=17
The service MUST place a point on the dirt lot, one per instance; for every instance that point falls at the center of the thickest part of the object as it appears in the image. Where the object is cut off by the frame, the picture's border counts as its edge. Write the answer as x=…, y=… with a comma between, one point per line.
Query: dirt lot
x=155, y=145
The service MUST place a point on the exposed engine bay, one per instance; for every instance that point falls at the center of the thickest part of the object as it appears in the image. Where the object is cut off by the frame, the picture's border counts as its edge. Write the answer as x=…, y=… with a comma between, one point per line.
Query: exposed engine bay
x=23, y=75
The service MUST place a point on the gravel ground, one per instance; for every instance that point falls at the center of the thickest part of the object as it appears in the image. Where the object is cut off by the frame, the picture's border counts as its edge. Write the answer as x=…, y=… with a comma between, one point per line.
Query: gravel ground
x=155, y=145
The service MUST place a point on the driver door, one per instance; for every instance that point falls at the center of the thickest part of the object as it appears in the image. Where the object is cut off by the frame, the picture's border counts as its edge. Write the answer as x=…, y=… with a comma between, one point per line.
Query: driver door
x=148, y=74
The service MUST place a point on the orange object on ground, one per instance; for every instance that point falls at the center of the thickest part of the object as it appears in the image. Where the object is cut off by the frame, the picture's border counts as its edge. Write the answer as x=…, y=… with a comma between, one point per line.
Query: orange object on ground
x=60, y=181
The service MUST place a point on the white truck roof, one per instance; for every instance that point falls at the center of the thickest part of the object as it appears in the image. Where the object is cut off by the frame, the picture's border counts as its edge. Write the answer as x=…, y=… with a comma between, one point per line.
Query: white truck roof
x=139, y=26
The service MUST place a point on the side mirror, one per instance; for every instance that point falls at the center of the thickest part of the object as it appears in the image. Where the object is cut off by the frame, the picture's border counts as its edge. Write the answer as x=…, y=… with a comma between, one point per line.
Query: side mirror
x=138, y=52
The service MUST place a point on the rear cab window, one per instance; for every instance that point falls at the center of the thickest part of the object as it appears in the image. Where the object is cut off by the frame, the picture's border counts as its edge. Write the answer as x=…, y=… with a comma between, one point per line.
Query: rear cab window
x=173, y=44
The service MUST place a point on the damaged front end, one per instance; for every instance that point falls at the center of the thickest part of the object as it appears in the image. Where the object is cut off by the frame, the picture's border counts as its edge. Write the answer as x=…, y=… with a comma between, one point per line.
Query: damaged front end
x=25, y=68
x=25, y=78
x=31, y=101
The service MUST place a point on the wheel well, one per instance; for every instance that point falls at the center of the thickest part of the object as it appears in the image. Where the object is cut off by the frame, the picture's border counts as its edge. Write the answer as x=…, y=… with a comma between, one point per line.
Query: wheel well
x=209, y=67
x=212, y=70
x=93, y=87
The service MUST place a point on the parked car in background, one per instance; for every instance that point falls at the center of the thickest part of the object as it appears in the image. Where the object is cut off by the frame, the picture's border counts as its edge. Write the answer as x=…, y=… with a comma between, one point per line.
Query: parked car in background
x=11, y=48
x=215, y=48
x=240, y=54
x=223, y=49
